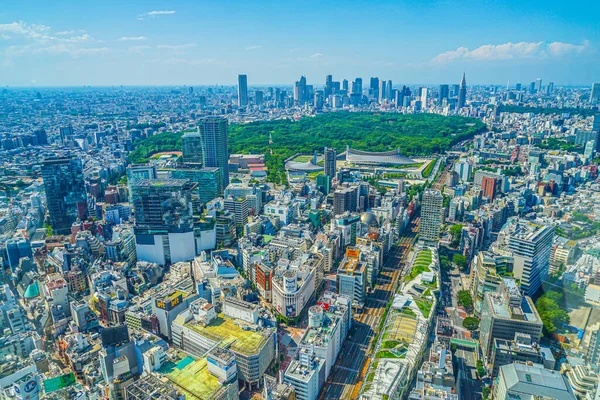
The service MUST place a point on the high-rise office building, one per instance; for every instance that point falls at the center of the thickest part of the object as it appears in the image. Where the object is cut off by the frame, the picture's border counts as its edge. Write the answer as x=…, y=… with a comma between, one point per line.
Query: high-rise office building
x=550, y=88
x=538, y=85
x=596, y=125
x=345, y=85
x=389, y=92
x=208, y=179
x=164, y=223
x=259, y=97
x=66, y=133
x=444, y=93
x=518, y=87
x=423, y=96
x=382, y=90
x=374, y=88
x=357, y=86
x=330, y=161
x=191, y=147
x=138, y=172
x=462, y=92
x=66, y=195
x=595, y=94
x=531, y=245
x=328, y=91
x=300, y=91
x=431, y=217
x=214, y=131
x=242, y=90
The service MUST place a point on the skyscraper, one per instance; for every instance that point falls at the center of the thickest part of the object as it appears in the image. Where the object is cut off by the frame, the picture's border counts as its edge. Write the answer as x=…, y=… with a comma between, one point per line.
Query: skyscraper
x=538, y=85
x=382, y=90
x=345, y=85
x=462, y=92
x=300, y=91
x=330, y=161
x=423, y=96
x=258, y=97
x=431, y=217
x=214, y=132
x=374, y=88
x=242, y=90
x=595, y=94
x=191, y=147
x=328, y=91
x=357, y=86
x=389, y=91
x=444, y=92
x=66, y=195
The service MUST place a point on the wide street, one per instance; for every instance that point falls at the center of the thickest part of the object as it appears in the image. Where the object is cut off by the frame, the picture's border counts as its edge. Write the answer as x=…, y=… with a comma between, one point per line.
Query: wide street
x=347, y=373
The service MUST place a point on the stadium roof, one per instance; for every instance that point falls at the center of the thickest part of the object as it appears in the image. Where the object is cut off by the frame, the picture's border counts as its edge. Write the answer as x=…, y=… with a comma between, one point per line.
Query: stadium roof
x=382, y=158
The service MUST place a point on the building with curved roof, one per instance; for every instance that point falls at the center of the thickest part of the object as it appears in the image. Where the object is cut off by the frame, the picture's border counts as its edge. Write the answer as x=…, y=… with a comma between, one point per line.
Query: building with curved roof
x=392, y=157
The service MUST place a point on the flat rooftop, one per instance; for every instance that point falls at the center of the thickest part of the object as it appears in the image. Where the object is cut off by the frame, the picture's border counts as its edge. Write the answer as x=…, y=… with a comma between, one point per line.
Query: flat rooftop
x=193, y=378
x=502, y=310
x=225, y=330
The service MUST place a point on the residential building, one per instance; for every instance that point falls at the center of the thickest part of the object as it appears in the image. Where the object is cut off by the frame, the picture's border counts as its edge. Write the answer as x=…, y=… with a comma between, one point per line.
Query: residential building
x=431, y=217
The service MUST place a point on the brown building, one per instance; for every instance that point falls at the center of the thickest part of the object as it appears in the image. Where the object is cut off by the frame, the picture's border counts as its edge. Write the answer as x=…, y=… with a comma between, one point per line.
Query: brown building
x=490, y=187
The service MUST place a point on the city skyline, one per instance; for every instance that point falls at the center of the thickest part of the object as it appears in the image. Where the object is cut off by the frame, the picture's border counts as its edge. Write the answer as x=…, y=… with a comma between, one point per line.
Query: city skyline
x=154, y=43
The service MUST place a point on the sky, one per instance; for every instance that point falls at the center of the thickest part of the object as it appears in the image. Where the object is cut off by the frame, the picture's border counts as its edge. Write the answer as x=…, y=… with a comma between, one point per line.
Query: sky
x=199, y=42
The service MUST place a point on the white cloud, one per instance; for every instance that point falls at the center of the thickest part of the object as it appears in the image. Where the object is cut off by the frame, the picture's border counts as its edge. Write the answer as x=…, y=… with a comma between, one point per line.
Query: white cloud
x=137, y=49
x=155, y=14
x=33, y=39
x=177, y=46
x=29, y=31
x=151, y=13
x=253, y=47
x=316, y=55
x=131, y=38
x=67, y=33
x=510, y=51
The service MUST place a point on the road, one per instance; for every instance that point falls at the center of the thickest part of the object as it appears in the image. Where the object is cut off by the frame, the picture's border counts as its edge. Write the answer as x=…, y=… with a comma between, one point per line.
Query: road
x=347, y=373
x=468, y=384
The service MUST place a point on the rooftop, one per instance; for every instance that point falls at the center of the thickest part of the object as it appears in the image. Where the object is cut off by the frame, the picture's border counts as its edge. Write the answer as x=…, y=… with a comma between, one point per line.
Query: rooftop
x=227, y=331
x=193, y=378
x=535, y=379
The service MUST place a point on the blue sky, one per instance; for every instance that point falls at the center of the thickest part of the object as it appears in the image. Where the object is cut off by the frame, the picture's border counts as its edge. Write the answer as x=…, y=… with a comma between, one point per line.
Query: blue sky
x=83, y=42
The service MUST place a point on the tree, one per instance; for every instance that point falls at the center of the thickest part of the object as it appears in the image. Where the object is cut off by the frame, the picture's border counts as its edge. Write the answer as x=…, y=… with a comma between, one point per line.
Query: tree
x=456, y=232
x=480, y=369
x=471, y=323
x=460, y=261
x=465, y=299
x=552, y=315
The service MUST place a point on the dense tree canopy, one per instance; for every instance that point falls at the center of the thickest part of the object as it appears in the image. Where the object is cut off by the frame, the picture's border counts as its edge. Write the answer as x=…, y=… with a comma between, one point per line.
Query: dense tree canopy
x=471, y=323
x=551, y=313
x=465, y=299
x=414, y=134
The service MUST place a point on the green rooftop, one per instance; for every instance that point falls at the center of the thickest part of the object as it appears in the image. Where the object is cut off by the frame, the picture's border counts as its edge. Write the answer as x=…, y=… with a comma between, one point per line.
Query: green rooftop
x=192, y=377
x=231, y=336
